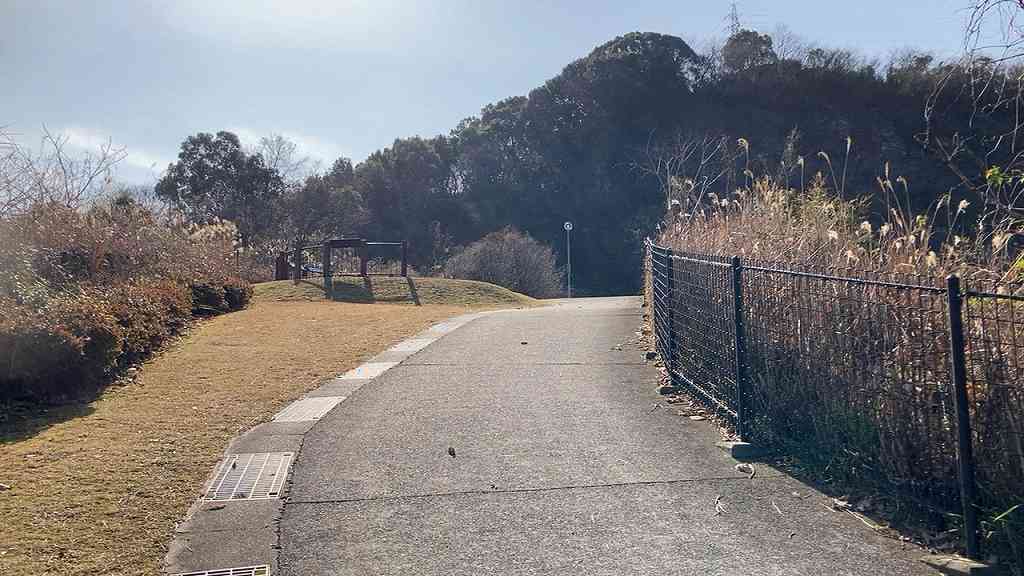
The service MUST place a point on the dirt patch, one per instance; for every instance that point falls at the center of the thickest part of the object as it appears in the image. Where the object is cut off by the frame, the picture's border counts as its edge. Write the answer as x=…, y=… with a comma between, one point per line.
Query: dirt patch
x=98, y=488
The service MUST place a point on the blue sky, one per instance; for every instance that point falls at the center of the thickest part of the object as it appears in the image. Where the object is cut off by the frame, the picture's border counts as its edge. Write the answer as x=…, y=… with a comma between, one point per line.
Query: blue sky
x=346, y=77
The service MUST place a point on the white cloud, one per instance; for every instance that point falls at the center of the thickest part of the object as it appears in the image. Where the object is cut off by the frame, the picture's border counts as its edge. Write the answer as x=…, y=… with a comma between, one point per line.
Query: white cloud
x=144, y=166
x=91, y=140
x=350, y=24
x=317, y=149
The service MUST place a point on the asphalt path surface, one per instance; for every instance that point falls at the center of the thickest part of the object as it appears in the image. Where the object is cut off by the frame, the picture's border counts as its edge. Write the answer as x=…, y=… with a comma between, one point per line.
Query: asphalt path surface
x=528, y=442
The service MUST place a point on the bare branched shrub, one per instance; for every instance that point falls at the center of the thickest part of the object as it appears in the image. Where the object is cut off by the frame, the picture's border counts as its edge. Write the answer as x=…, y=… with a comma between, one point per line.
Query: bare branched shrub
x=511, y=259
x=688, y=167
x=52, y=175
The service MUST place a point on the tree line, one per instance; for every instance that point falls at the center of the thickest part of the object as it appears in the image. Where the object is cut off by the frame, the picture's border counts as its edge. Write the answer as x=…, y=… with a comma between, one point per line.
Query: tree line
x=617, y=137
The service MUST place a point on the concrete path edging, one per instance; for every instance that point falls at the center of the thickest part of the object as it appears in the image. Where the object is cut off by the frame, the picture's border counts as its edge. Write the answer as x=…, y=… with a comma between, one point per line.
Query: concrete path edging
x=243, y=535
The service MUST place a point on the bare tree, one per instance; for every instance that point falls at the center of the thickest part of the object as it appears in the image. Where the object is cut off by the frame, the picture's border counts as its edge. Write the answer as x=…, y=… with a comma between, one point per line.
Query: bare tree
x=688, y=168
x=788, y=45
x=1001, y=18
x=52, y=174
x=281, y=154
x=984, y=151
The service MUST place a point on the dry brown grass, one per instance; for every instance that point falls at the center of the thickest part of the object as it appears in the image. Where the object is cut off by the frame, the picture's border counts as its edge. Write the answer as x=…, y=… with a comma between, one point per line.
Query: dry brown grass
x=97, y=488
x=396, y=290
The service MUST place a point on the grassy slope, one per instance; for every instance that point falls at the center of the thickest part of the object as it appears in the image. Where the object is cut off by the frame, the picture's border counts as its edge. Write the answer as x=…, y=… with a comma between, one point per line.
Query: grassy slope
x=98, y=487
x=395, y=290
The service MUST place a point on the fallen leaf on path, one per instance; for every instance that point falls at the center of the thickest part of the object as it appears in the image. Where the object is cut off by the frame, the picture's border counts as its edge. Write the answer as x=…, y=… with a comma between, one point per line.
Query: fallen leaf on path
x=838, y=504
x=747, y=469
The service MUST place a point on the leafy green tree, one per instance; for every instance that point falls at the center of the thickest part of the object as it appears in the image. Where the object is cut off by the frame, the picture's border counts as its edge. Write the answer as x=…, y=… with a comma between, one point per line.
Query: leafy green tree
x=323, y=206
x=410, y=189
x=215, y=178
x=747, y=49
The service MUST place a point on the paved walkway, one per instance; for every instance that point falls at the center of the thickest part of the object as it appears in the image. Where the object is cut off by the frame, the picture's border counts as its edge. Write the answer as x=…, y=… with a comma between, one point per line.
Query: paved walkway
x=561, y=466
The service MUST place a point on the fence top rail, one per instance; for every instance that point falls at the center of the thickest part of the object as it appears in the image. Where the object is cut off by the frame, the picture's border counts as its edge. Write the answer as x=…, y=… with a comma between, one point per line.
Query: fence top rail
x=347, y=243
x=994, y=295
x=699, y=260
x=848, y=279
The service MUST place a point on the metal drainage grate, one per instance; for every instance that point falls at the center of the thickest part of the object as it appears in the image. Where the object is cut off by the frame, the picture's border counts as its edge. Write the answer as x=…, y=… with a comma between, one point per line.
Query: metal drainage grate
x=257, y=476
x=308, y=409
x=247, y=571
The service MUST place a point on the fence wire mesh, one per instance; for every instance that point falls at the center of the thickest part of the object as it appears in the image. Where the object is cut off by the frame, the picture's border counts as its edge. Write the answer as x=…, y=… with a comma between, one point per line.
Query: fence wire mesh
x=994, y=338
x=384, y=258
x=858, y=366
x=705, y=361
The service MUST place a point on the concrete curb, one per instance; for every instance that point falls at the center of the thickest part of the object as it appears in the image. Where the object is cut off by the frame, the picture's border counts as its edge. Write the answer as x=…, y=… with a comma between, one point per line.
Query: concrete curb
x=957, y=566
x=740, y=450
x=224, y=535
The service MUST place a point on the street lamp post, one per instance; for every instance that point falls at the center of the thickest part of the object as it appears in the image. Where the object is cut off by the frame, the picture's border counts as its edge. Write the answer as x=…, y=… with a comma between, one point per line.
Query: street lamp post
x=568, y=258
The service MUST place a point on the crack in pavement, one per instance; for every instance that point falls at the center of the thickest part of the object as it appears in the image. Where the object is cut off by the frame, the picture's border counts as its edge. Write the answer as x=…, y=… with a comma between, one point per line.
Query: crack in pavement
x=535, y=490
x=503, y=365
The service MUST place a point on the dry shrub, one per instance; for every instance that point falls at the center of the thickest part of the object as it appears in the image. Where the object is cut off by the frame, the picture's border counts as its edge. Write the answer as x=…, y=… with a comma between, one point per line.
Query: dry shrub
x=56, y=350
x=511, y=259
x=148, y=313
x=854, y=376
x=91, y=291
x=816, y=228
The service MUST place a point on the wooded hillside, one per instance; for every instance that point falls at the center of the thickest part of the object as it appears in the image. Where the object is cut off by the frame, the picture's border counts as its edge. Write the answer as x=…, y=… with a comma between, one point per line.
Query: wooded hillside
x=639, y=122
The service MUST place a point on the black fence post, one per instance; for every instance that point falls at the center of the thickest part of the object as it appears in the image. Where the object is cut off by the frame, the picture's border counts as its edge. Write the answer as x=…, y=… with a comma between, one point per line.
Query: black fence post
x=364, y=256
x=405, y=261
x=648, y=265
x=741, y=349
x=326, y=267
x=298, y=264
x=281, y=266
x=670, y=284
x=965, y=447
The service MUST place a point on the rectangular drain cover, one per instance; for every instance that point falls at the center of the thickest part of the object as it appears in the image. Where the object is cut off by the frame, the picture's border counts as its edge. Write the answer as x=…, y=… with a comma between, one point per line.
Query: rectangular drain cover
x=247, y=571
x=308, y=409
x=257, y=476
